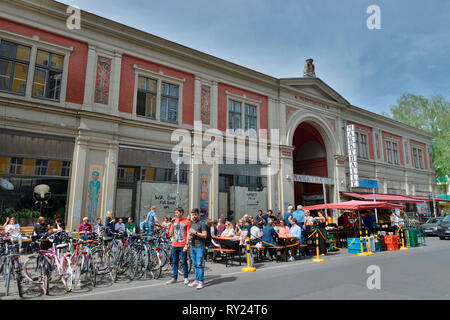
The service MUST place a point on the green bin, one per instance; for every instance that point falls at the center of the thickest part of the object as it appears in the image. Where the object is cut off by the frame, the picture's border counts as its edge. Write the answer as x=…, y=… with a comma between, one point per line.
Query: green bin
x=411, y=235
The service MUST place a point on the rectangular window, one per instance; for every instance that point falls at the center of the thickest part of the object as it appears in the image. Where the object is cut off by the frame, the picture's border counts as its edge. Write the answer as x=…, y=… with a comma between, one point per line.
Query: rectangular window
x=40, y=167
x=146, y=97
x=16, y=166
x=416, y=162
x=389, y=151
x=14, y=61
x=234, y=115
x=250, y=117
x=65, y=169
x=48, y=75
x=420, y=155
x=169, y=102
x=361, y=145
x=395, y=153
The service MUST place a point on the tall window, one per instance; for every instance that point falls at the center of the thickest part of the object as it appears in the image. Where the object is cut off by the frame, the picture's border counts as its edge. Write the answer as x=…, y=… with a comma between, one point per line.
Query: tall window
x=234, y=115
x=40, y=167
x=251, y=117
x=48, y=75
x=361, y=145
x=169, y=102
x=14, y=60
x=418, y=158
x=395, y=153
x=146, y=97
x=389, y=151
x=242, y=117
x=16, y=166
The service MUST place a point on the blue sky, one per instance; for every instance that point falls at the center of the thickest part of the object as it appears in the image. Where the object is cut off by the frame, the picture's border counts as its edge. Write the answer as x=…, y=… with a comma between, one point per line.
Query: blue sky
x=369, y=68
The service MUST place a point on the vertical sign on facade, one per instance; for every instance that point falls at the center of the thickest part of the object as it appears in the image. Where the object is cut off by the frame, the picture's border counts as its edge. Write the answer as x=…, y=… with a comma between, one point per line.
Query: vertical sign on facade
x=204, y=196
x=206, y=105
x=352, y=156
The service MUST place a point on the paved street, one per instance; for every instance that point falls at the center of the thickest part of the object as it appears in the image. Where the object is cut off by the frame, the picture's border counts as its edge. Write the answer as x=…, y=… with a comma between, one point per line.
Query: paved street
x=420, y=273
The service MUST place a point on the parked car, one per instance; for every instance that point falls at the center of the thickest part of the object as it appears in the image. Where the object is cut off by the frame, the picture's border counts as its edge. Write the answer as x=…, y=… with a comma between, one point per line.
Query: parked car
x=429, y=228
x=443, y=228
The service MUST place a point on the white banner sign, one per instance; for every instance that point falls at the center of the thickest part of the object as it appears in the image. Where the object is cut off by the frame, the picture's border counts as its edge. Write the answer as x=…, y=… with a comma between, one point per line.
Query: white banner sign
x=352, y=156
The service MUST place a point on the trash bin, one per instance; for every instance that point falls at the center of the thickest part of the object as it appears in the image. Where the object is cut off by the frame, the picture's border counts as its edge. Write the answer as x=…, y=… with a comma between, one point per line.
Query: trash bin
x=411, y=235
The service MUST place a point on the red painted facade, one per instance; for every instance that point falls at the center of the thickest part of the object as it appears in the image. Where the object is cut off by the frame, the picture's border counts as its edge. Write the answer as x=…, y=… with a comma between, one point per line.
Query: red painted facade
x=127, y=89
x=77, y=61
x=223, y=106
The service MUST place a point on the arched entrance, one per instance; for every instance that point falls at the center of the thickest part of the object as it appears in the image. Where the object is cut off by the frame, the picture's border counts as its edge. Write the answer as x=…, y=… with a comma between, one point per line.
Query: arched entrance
x=309, y=158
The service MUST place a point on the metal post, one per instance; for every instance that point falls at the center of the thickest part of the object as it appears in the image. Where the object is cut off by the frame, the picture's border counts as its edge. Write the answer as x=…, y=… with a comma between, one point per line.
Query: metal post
x=325, y=198
x=434, y=205
x=375, y=200
x=177, y=172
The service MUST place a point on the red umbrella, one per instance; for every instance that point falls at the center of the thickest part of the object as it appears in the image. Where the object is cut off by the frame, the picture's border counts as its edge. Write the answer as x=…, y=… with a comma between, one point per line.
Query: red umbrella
x=356, y=205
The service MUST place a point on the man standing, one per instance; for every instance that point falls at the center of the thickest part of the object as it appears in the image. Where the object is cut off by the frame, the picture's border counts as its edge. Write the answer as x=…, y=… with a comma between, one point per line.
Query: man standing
x=299, y=215
x=295, y=231
x=369, y=221
x=288, y=214
x=151, y=219
x=178, y=230
x=197, y=237
x=259, y=217
x=269, y=216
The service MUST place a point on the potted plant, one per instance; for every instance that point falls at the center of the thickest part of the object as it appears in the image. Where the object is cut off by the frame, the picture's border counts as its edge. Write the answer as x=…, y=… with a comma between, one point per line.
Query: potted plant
x=26, y=216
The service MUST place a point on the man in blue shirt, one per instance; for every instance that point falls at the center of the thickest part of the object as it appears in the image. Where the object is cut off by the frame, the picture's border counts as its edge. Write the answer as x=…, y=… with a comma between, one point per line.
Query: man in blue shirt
x=299, y=215
x=295, y=231
x=269, y=237
x=152, y=219
x=288, y=214
x=369, y=221
x=259, y=217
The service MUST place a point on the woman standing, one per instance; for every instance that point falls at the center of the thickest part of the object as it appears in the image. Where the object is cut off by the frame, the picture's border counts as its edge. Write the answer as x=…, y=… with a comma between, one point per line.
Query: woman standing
x=322, y=222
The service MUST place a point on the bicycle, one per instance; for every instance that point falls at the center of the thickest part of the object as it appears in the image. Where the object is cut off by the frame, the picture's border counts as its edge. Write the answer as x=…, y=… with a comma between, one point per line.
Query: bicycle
x=148, y=257
x=10, y=264
x=38, y=268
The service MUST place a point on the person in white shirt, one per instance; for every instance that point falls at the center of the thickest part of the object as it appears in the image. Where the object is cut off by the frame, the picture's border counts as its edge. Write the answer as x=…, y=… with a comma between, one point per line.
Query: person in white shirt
x=13, y=229
x=229, y=230
x=255, y=233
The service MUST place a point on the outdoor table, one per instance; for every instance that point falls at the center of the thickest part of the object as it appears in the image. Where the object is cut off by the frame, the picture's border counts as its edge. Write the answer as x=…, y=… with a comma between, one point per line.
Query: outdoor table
x=288, y=239
x=221, y=239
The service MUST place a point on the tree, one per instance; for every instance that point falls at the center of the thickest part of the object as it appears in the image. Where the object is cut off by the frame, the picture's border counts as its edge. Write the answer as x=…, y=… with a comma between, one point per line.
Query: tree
x=431, y=115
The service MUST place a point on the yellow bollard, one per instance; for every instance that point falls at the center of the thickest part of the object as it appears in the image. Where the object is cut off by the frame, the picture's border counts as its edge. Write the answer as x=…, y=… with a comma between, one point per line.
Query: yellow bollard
x=403, y=239
x=362, y=254
x=369, y=253
x=318, y=260
x=249, y=268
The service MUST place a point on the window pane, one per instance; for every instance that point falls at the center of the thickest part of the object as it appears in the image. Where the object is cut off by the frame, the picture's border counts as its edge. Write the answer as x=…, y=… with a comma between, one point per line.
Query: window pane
x=42, y=58
x=151, y=85
x=20, y=78
x=173, y=109
x=151, y=106
x=8, y=49
x=141, y=103
x=164, y=108
x=5, y=74
x=165, y=89
x=40, y=75
x=142, y=83
x=54, y=85
x=23, y=53
x=57, y=61
x=174, y=91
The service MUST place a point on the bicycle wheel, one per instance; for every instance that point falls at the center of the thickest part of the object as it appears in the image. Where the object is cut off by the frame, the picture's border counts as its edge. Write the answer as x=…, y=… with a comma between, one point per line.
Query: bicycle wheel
x=68, y=274
x=142, y=264
x=45, y=270
x=131, y=262
x=98, y=264
x=31, y=269
x=18, y=275
x=7, y=275
x=155, y=264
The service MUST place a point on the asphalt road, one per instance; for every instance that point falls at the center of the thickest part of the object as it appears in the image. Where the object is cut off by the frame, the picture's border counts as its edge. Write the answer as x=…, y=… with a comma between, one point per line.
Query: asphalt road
x=419, y=273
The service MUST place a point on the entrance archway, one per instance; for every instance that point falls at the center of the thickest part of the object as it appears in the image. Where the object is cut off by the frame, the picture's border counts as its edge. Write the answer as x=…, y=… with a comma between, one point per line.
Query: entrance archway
x=309, y=158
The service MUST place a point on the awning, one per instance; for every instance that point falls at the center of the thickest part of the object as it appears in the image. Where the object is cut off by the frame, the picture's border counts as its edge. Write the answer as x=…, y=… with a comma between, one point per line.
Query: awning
x=355, y=205
x=437, y=199
x=383, y=197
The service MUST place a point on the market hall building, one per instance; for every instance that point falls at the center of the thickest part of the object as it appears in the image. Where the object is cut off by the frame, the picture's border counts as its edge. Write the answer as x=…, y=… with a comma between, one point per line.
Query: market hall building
x=89, y=114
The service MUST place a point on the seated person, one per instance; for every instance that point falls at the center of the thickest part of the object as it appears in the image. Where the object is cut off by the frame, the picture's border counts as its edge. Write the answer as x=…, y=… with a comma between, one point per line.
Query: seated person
x=270, y=237
x=84, y=229
x=119, y=226
x=13, y=229
x=99, y=228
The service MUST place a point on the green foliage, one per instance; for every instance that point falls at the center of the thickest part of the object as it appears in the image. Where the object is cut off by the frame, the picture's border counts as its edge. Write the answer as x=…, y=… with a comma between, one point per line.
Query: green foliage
x=27, y=213
x=431, y=115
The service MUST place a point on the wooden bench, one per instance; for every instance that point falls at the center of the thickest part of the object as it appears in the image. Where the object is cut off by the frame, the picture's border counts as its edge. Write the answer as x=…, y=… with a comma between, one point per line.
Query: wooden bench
x=262, y=248
x=26, y=232
x=229, y=253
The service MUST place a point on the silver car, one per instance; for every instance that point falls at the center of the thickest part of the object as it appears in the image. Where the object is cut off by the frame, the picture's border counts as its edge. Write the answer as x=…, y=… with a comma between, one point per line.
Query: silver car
x=429, y=228
x=443, y=228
